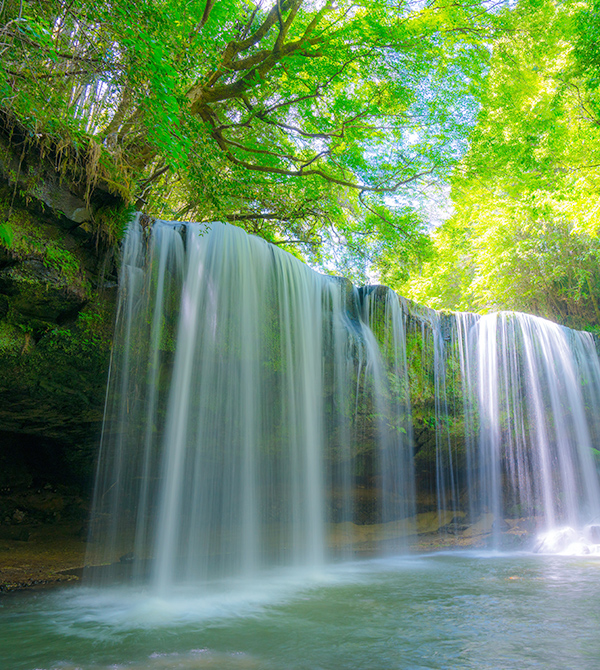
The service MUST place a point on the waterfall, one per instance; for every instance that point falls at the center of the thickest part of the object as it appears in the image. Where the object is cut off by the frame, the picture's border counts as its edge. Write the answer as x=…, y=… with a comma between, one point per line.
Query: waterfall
x=537, y=386
x=247, y=393
x=260, y=415
x=531, y=423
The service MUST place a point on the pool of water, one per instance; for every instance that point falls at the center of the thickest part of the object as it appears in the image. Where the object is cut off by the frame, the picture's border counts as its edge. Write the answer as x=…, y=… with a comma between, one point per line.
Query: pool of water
x=454, y=610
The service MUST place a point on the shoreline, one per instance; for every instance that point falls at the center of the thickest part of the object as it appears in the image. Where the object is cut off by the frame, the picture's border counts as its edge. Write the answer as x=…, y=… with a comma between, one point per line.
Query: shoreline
x=54, y=555
x=43, y=559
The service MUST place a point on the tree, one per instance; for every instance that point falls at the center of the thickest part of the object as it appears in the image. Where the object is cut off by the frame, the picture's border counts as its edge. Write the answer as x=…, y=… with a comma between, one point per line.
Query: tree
x=315, y=125
x=524, y=235
x=587, y=58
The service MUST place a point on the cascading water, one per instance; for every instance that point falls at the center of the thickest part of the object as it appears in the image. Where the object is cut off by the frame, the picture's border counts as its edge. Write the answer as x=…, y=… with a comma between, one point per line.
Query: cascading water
x=535, y=438
x=258, y=415
x=530, y=391
x=385, y=338
x=239, y=383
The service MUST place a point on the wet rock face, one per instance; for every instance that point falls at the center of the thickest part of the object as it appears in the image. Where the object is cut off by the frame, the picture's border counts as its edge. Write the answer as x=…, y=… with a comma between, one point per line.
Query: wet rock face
x=54, y=353
x=57, y=298
x=36, y=291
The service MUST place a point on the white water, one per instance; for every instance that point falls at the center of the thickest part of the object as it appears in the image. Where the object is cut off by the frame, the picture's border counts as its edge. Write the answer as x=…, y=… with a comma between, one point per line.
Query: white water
x=535, y=448
x=235, y=380
x=254, y=404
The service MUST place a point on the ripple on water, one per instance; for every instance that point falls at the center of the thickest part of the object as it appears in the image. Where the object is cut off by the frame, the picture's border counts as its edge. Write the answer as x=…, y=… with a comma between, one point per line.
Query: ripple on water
x=439, y=611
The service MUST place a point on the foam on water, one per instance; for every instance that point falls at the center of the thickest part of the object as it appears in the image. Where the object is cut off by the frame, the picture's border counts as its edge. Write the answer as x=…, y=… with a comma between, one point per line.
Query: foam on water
x=477, y=612
x=112, y=610
x=567, y=541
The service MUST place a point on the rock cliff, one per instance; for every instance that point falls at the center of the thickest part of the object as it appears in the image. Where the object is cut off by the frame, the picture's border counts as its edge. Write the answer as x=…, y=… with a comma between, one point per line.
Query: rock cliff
x=57, y=295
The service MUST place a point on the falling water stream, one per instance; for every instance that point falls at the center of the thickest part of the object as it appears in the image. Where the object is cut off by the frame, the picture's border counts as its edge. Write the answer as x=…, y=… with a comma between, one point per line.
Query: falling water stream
x=537, y=455
x=236, y=380
x=261, y=489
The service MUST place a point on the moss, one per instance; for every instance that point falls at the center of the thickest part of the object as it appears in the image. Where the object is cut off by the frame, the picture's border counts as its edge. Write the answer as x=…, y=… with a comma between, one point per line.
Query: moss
x=44, y=283
x=110, y=222
x=55, y=332
x=54, y=387
x=66, y=264
x=13, y=340
x=49, y=244
x=88, y=338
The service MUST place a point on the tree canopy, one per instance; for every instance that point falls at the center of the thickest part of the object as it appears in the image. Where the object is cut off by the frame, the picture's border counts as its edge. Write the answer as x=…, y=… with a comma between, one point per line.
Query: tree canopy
x=314, y=124
x=524, y=234
x=325, y=127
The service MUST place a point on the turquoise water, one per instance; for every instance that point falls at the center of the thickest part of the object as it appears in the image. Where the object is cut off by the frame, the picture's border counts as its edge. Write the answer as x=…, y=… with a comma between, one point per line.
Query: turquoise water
x=437, y=611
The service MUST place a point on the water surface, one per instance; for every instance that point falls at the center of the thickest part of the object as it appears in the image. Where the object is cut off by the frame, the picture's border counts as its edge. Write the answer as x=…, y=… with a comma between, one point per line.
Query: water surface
x=437, y=611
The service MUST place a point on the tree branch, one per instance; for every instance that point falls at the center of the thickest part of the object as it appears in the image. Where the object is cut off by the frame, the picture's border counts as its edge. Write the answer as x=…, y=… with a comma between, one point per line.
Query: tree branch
x=264, y=152
x=201, y=94
x=301, y=172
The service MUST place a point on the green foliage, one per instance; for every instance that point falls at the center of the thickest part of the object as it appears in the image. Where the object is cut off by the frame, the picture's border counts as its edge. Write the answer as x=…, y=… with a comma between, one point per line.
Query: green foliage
x=6, y=235
x=587, y=55
x=54, y=248
x=524, y=234
x=62, y=260
x=111, y=223
x=313, y=125
x=89, y=338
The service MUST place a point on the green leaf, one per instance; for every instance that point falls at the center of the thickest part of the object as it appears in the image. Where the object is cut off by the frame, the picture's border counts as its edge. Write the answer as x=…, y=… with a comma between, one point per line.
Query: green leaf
x=6, y=235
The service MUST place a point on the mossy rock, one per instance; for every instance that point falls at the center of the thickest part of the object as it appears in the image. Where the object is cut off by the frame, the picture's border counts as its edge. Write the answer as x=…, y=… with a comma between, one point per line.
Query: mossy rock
x=38, y=293
x=57, y=304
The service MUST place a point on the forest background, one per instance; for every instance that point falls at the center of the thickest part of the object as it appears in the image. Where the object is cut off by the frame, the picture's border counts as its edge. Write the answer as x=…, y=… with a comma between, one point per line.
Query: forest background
x=331, y=129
